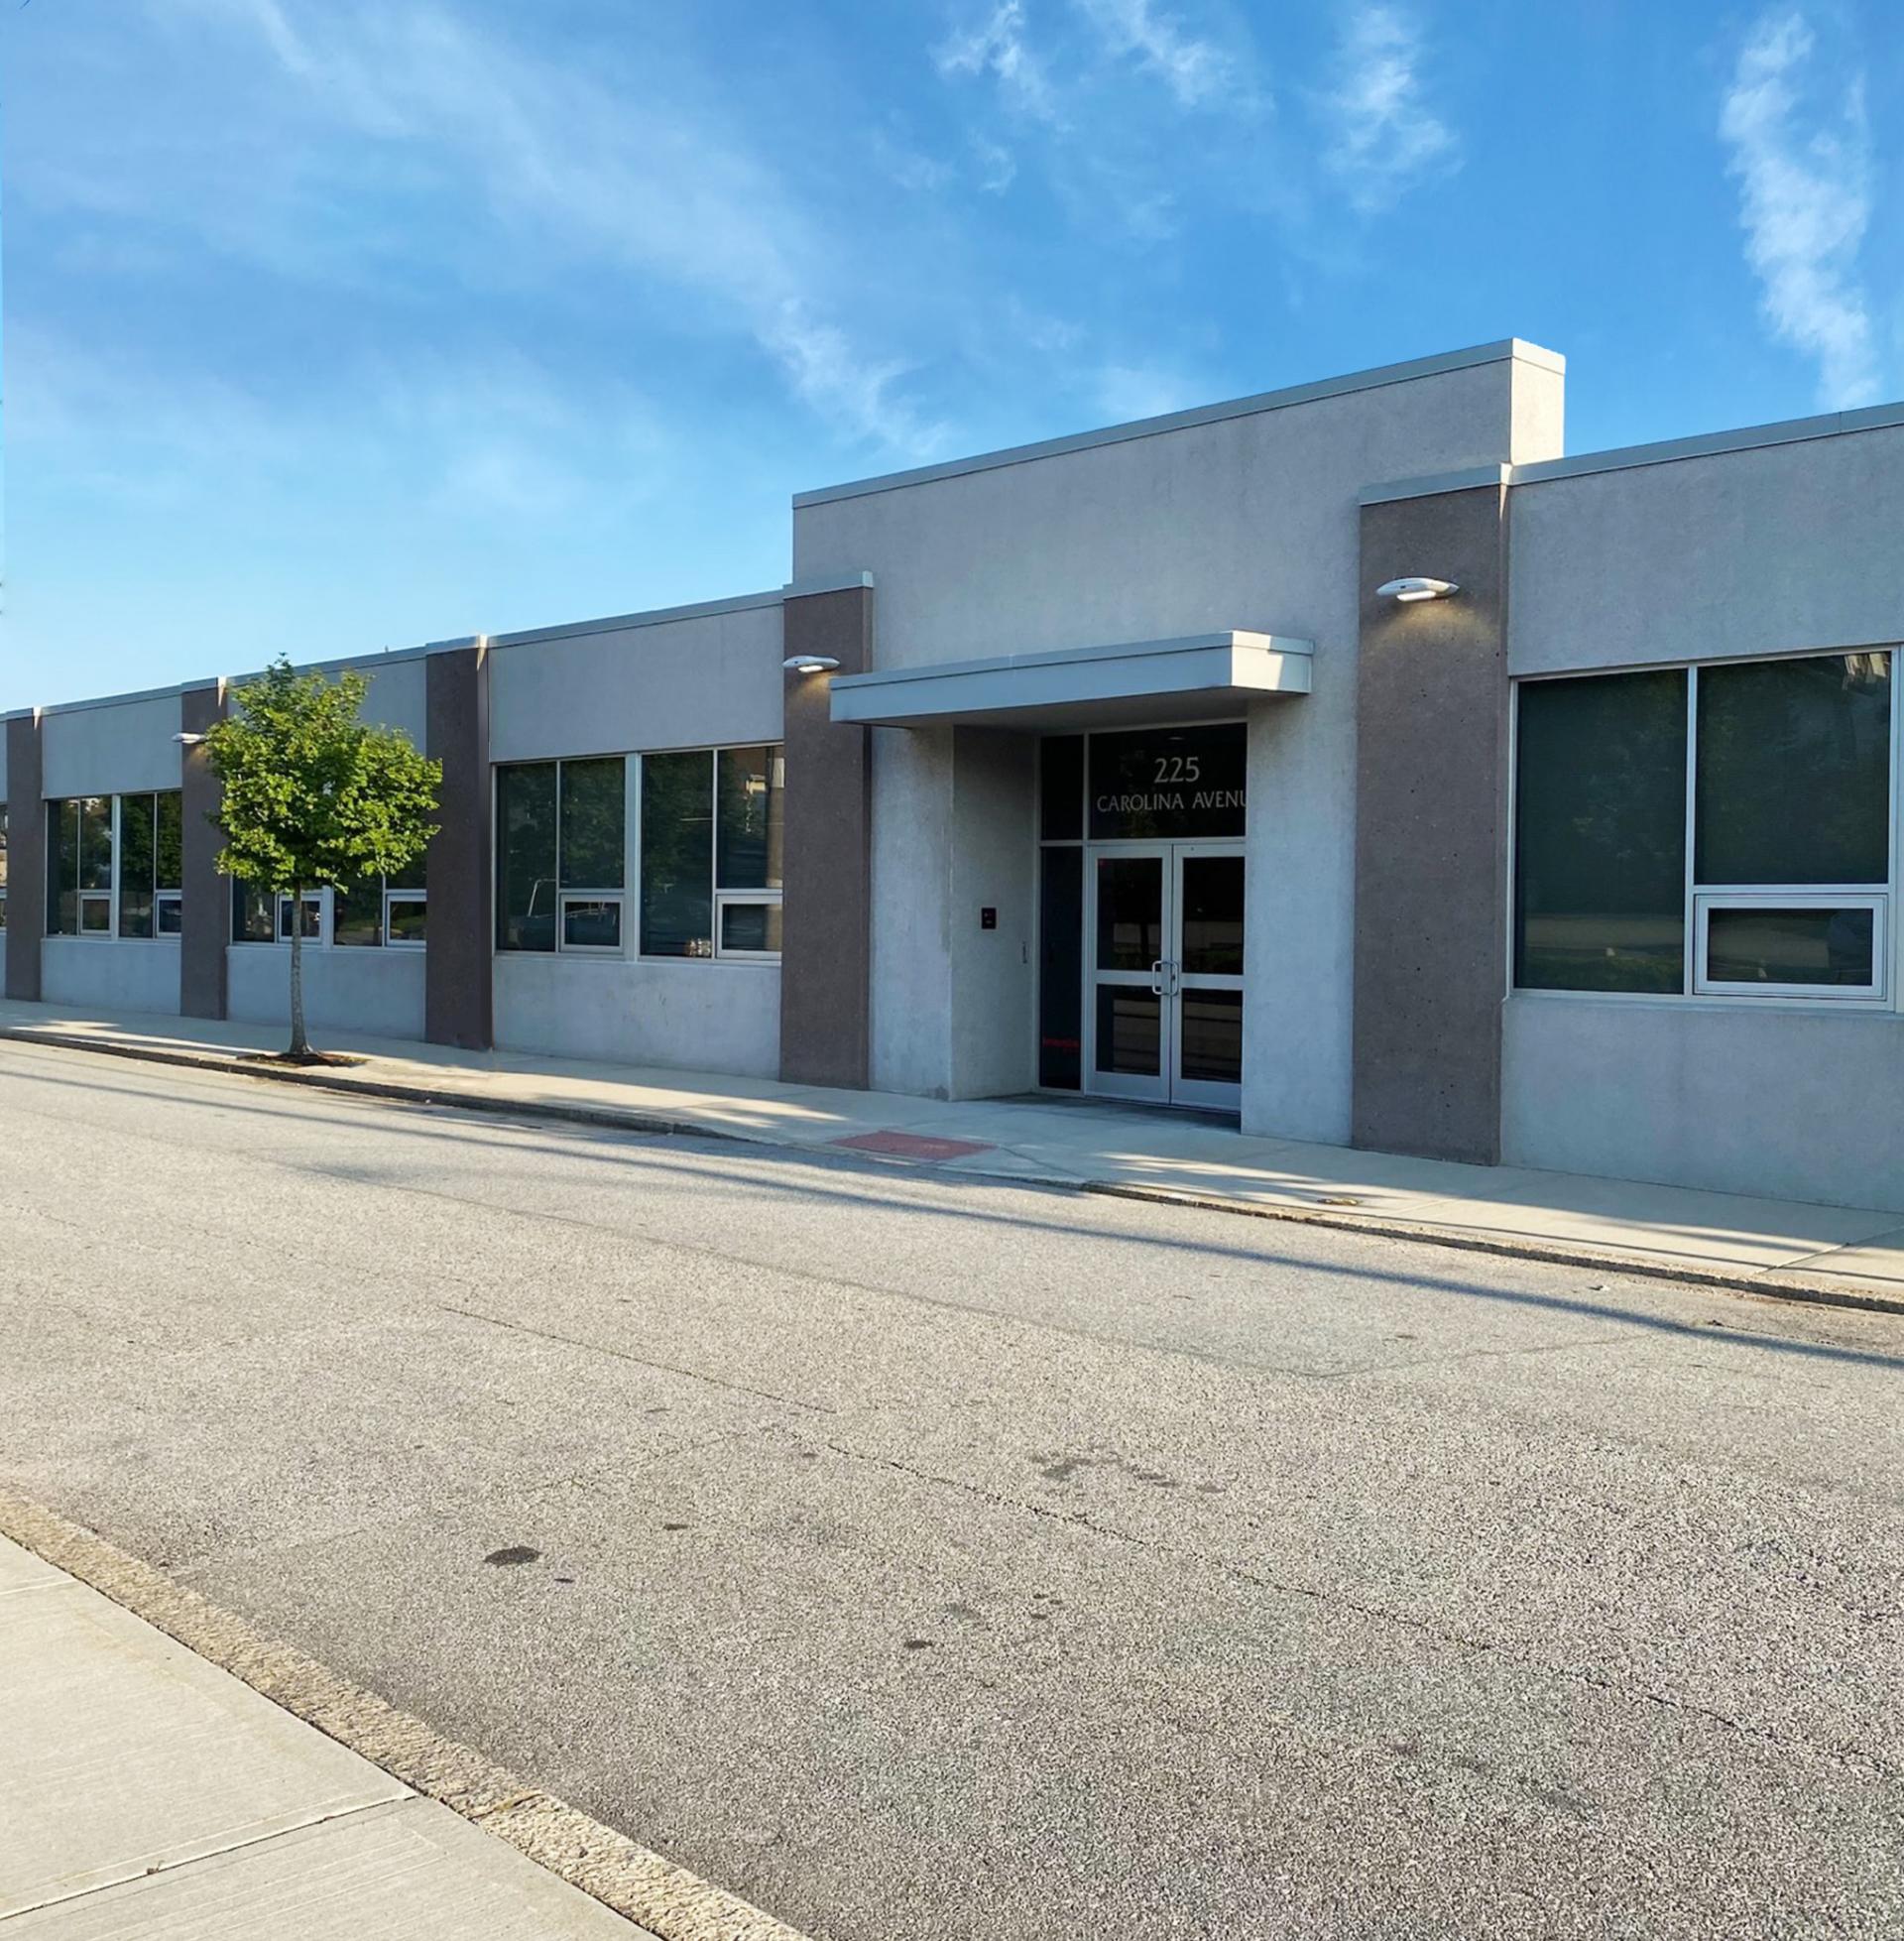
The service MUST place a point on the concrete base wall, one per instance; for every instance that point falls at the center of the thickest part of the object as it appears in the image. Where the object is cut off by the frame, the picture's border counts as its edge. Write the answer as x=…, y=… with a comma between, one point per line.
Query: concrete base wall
x=110, y=974
x=377, y=993
x=692, y=1016
x=1788, y=1103
x=911, y=975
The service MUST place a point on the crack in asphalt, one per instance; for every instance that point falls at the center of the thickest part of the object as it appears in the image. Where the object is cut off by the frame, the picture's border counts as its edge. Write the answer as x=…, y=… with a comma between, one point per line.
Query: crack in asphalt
x=642, y=1361
x=1080, y=1519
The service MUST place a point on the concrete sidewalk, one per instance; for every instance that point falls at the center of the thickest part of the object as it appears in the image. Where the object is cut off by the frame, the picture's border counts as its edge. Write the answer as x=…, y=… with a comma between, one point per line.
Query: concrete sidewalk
x=144, y=1790
x=1850, y=1253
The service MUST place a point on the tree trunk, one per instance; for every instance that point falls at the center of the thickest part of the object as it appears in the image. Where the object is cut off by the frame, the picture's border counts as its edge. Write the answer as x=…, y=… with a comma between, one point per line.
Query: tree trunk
x=300, y=1045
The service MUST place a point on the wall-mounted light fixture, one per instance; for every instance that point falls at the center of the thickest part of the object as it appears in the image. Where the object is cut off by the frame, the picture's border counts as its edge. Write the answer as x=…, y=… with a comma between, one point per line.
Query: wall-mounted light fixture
x=1414, y=589
x=187, y=739
x=809, y=664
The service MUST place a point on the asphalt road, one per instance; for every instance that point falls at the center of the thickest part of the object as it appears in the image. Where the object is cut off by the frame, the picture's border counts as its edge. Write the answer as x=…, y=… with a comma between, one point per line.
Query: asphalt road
x=921, y=1556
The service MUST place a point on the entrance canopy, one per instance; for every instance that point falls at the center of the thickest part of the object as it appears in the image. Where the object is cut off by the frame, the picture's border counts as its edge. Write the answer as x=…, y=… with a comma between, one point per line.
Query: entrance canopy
x=1201, y=677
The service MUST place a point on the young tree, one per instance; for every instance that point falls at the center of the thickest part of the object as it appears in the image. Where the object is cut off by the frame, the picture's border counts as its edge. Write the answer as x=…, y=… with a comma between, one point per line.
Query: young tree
x=315, y=798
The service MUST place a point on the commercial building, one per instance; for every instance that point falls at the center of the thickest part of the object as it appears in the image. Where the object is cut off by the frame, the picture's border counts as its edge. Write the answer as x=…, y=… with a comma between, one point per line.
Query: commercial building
x=1119, y=765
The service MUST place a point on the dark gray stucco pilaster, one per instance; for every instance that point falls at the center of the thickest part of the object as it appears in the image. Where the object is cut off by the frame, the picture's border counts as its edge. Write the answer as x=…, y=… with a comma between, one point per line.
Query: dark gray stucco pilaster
x=457, y=1004
x=26, y=858
x=826, y=938
x=1431, y=781
x=204, y=912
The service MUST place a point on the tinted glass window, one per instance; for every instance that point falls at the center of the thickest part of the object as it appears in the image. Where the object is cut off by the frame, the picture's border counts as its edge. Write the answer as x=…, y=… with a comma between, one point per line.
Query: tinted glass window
x=750, y=795
x=1060, y=966
x=1791, y=946
x=1795, y=771
x=408, y=919
x=591, y=924
x=136, y=861
x=95, y=841
x=677, y=854
x=1601, y=834
x=357, y=912
x=62, y=868
x=750, y=927
x=253, y=914
x=594, y=824
x=1061, y=788
x=169, y=841
x=526, y=857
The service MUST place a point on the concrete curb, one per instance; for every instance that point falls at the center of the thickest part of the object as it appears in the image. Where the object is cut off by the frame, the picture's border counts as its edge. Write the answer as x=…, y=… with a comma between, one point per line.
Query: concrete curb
x=666, y=1901
x=1740, y=1280
x=1767, y=1284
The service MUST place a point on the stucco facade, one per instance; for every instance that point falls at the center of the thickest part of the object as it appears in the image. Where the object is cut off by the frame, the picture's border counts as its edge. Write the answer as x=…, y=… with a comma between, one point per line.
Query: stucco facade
x=925, y=780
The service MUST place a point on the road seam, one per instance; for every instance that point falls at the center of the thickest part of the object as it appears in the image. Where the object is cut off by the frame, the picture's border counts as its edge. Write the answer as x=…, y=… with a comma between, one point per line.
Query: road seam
x=668, y=1900
x=1425, y=1627
x=1779, y=1284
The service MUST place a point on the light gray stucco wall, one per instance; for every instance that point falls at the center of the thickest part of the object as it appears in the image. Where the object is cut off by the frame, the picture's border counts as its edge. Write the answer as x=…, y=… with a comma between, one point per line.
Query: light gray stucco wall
x=1244, y=522
x=1791, y=1102
x=117, y=748
x=111, y=973
x=994, y=982
x=1766, y=551
x=680, y=684
x=374, y=992
x=398, y=697
x=698, y=1015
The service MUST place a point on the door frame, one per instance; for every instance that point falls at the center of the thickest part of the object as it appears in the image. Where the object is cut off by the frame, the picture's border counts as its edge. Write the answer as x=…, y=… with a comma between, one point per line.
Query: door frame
x=1127, y=1085
x=1199, y=1091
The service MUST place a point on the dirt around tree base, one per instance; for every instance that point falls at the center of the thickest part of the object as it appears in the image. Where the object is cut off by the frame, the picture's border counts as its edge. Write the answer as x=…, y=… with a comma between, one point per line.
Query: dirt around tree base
x=303, y=1063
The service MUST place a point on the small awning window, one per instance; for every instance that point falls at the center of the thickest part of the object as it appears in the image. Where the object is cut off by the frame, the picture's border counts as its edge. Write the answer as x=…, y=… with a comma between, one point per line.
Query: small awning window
x=1202, y=677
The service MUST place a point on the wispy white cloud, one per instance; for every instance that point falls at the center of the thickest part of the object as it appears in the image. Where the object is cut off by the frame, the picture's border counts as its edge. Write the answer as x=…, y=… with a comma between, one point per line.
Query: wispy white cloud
x=1383, y=137
x=997, y=45
x=1805, y=202
x=642, y=182
x=1194, y=69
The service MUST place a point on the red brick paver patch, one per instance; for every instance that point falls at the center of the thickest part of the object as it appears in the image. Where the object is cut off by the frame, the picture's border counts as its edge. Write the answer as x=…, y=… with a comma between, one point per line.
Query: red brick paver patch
x=911, y=1145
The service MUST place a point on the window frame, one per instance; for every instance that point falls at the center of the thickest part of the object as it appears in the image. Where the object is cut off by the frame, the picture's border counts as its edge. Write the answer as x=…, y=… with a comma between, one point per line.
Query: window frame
x=562, y=894
x=1885, y=898
x=1811, y=896
x=745, y=899
x=421, y=898
x=720, y=897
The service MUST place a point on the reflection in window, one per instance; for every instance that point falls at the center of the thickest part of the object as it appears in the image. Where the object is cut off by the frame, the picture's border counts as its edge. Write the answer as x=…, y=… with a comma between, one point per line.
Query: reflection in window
x=1808, y=945
x=749, y=793
x=677, y=854
x=1599, y=860
x=526, y=857
x=151, y=864
x=1795, y=771
x=79, y=866
x=560, y=826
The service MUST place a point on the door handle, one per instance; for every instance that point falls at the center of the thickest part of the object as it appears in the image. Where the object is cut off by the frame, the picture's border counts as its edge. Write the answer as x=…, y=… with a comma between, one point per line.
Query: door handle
x=1158, y=978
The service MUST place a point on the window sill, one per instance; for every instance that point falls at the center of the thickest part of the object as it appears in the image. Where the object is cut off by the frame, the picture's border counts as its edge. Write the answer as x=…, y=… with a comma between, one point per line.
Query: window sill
x=1712, y=1001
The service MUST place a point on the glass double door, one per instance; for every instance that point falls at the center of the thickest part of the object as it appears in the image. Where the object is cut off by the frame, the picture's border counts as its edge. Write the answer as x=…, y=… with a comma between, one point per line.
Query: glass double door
x=1163, y=1006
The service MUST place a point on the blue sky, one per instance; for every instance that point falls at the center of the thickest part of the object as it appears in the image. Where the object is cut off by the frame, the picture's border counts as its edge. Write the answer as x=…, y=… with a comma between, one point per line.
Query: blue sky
x=339, y=325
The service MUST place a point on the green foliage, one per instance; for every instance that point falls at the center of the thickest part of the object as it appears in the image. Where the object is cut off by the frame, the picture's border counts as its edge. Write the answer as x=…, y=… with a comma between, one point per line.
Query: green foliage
x=312, y=795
